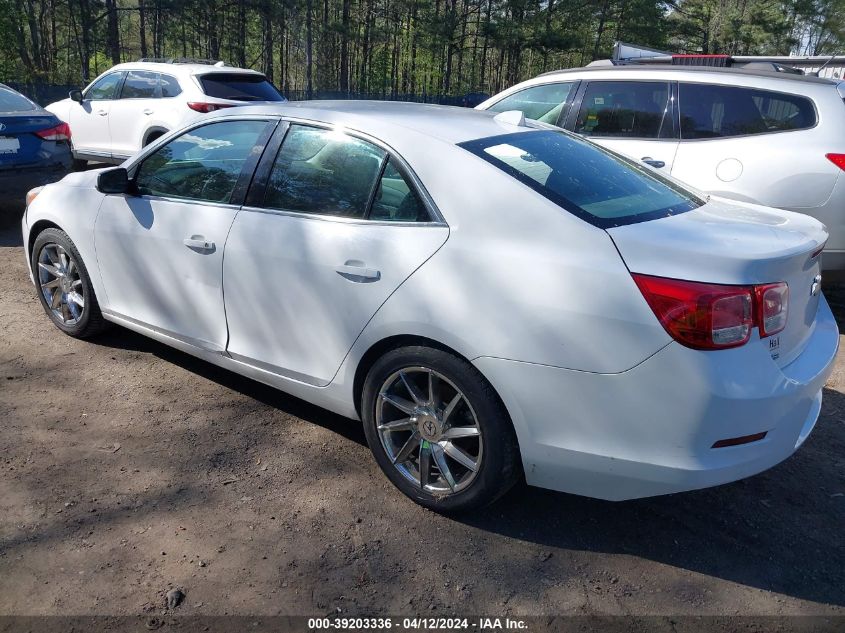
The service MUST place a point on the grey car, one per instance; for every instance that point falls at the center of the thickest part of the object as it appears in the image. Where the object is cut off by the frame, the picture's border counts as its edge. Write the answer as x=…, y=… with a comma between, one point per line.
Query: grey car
x=764, y=137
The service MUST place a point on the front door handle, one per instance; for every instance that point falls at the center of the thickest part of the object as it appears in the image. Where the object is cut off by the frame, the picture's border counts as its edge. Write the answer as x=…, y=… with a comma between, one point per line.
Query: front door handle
x=102, y=112
x=198, y=243
x=147, y=111
x=354, y=270
x=648, y=160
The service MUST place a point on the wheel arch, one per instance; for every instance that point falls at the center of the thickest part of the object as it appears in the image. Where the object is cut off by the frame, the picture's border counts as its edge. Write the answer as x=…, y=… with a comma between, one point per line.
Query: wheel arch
x=34, y=232
x=152, y=134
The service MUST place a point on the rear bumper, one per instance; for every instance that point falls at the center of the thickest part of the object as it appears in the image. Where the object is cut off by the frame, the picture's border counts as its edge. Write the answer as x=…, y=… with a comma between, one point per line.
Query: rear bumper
x=14, y=183
x=650, y=430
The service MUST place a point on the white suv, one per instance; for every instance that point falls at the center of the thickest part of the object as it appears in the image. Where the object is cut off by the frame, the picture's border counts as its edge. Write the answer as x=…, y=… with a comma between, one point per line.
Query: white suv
x=771, y=138
x=131, y=105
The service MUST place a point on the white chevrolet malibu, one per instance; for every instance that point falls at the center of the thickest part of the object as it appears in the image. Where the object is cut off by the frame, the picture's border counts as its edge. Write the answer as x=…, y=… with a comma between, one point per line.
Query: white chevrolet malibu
x=493, y=299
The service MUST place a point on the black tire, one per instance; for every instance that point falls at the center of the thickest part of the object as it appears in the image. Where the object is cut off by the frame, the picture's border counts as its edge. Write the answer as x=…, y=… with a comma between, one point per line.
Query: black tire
x=90, y=322
x=500, y=465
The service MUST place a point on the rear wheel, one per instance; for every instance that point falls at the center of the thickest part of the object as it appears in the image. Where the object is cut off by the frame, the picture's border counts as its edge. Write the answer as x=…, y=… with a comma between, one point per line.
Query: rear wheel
x=64, y=286
x=438, y=430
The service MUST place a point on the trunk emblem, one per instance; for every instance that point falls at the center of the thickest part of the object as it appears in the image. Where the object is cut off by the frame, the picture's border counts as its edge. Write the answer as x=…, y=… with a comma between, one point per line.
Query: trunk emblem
x=817, y=285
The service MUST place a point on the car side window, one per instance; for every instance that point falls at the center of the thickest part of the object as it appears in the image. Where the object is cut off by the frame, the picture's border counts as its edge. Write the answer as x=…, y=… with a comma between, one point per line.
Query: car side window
x=105, y=88
x=396, y=200
x=169, y=86
x=541, y=103
x=202, y=164
x=324, y=172
x=625, y=109
x=140, y=85
x=709, y=111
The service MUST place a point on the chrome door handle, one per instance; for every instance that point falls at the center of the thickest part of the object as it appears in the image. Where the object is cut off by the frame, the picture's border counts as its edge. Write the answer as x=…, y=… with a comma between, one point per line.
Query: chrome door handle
x=199, y=243
x=648, y=160
x=357, y=271
x=147, y=111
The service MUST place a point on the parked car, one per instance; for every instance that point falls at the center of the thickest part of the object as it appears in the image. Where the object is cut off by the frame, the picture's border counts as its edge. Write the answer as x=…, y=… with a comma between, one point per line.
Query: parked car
x=769, y=138
x=131, y=105
x=34, y=146
x=490, y=297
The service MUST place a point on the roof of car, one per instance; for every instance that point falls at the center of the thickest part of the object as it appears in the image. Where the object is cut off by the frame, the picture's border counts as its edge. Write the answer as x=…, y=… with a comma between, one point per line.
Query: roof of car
x=633, y=68
x=389, y=120
x=179, y=68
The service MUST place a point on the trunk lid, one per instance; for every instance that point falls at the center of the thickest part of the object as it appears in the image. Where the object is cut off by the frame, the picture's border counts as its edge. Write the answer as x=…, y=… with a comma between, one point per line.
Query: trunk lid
x=19, y=146
x=727, y=242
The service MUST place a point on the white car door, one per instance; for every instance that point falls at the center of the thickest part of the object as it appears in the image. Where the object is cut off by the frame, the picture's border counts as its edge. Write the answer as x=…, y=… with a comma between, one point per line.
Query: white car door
x=339, y=229
x=634, y=118
x=89, y=120
x=131, y=113
x=160, y=252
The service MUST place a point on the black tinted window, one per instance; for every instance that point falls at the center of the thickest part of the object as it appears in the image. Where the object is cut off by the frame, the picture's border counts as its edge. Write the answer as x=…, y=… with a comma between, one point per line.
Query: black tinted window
x=324, y=172
x=11, y=101
x=140, y=85
x=169, y=86
x=396, y=200
x=542, y=103
x=105, y=88
x=239, y=87
x=625, y=109
x=201, y=164
x=584, y=179
x=709, y=111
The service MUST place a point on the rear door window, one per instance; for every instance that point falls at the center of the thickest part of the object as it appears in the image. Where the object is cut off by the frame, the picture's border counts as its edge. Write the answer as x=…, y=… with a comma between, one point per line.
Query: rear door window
x=709, y=111
x=105, y=88
x=396, y=200
x=140, y=85
x=626, y=109
x=541, y=103
x=239, y=87
x=324, y=172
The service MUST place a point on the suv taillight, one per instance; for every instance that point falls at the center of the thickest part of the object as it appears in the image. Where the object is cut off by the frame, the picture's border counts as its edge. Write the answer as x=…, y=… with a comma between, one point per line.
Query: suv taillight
x=60, y=132
x=200, y=106
x=713, y=316
x=836, y=159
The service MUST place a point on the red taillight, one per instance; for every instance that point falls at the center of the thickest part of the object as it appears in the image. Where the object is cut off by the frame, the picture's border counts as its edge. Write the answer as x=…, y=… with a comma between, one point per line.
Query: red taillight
x=61, y=132
x=772, y=303
x=201, y=106
x=837, y=159
x=713, y=316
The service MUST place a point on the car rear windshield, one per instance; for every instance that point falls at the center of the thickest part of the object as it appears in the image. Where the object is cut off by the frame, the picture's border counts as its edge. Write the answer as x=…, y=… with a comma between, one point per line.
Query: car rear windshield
x=11, y=101
x=598, y=186
x=239, y=87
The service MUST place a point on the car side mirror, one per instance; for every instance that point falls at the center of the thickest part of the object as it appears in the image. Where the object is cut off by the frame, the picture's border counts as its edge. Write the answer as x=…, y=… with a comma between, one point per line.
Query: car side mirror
x=113, y=181
x=75, y=95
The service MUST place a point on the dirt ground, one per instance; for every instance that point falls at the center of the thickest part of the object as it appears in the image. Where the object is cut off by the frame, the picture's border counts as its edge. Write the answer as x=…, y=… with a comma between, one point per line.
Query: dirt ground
x=128, y=469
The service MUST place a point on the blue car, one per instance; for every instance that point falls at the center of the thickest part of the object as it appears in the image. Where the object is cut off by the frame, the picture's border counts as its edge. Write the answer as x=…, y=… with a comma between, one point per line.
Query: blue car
x=34, y=147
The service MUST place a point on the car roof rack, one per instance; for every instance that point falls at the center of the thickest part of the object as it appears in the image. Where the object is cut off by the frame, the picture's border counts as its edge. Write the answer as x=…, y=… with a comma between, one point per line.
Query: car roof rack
x=183, y=60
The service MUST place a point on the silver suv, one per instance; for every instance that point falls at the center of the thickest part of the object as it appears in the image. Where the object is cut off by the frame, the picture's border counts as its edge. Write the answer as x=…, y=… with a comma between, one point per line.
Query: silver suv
x=771, y=138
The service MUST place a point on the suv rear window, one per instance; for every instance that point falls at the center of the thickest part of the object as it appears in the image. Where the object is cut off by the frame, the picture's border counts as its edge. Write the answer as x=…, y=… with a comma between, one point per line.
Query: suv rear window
x=239, y=87
x=709, y=111
x=602, y=188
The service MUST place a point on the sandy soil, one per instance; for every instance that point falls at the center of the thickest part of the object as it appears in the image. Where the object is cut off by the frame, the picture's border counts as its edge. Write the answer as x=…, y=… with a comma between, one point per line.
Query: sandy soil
x=128, y=469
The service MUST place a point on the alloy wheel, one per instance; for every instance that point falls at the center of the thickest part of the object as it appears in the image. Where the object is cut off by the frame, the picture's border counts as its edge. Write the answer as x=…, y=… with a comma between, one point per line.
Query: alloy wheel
x=61, y=284
x=429, y=430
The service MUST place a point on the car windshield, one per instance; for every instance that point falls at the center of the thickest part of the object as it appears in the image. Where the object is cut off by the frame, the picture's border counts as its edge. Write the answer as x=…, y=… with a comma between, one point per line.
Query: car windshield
x=239, y=87
x=586, y=180
x=11, y=101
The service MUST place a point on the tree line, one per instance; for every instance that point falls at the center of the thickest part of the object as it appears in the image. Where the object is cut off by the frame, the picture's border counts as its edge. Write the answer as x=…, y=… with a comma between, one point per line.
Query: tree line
x=395, y=47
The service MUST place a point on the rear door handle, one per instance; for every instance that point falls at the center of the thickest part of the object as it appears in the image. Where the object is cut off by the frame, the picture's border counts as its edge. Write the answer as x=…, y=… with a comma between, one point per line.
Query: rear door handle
x=198, y=243
x=102, y=112
x=648, y=160
x=356, y=271
x=147, y=111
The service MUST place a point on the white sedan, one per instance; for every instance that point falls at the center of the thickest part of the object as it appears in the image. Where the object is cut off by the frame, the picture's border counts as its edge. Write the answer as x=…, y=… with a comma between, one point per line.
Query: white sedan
x=494, y=299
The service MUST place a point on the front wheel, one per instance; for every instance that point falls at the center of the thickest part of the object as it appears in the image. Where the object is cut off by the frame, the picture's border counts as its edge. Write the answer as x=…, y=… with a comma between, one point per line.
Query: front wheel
x=64, y=286
x=438, y=430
